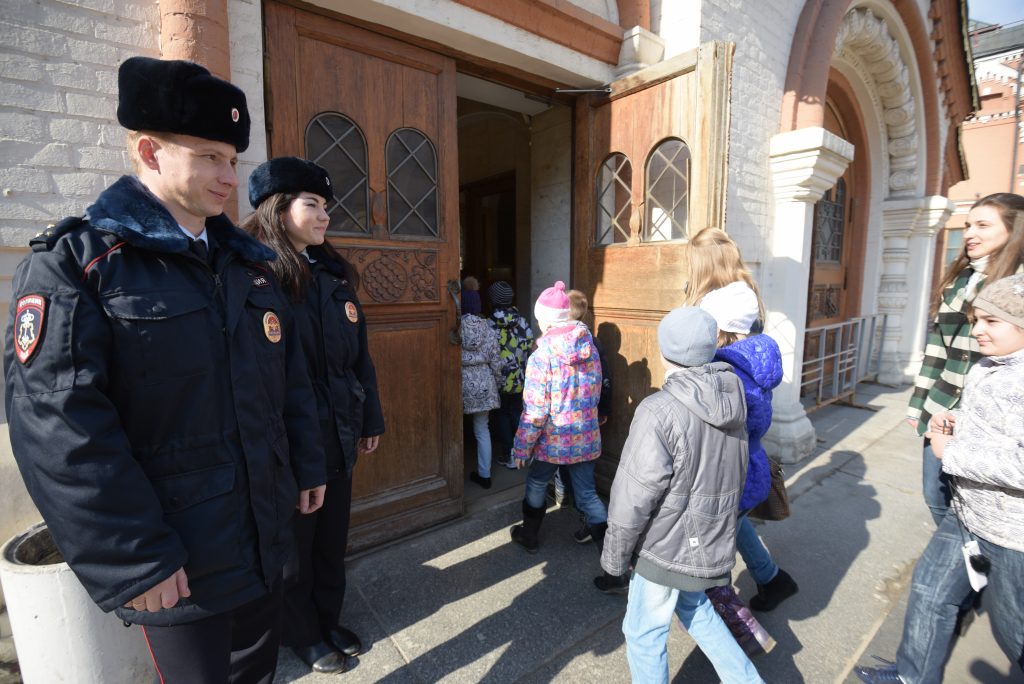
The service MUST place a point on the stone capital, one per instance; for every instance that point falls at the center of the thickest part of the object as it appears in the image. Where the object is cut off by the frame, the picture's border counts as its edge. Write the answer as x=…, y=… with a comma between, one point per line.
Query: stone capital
x=640, y=49
x=807, y=162
x=935, y=211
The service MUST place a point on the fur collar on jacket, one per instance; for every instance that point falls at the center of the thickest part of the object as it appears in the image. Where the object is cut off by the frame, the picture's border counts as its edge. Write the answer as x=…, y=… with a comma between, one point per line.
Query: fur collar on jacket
x=130, y=211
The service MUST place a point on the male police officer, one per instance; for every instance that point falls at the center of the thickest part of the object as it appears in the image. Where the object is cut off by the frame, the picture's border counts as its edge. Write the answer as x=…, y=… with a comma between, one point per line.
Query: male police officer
x=158, y=403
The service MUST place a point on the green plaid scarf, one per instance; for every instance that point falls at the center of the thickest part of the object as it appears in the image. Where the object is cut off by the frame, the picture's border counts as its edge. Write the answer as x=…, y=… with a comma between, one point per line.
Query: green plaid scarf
x=950, y=353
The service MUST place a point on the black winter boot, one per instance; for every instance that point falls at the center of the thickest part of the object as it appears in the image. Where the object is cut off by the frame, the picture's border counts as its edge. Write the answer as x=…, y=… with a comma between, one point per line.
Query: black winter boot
x=526, y=534
x=770, y=595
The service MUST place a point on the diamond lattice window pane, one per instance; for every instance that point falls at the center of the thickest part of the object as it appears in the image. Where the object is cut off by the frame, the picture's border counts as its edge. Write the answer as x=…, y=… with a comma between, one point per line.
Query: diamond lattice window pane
x=668, y=191
x=412, y=184
x=829, y=224
x=614, y=187
x=335, y=142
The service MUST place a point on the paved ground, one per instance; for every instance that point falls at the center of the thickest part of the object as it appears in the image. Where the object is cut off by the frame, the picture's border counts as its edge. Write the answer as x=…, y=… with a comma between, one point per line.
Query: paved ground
x=460, y=603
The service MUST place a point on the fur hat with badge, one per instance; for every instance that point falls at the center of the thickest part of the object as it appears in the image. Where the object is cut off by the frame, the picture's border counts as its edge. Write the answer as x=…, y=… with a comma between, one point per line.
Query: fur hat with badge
x=288, y=174
x=688, y=337
x=552, y=305
x=1004, y=299
x=175, y=96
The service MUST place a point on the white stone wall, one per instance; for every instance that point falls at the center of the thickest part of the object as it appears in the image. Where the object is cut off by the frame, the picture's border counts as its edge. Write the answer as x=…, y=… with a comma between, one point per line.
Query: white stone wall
x=61, y=144
x=245, y=29
x=550, y=202
x=763, y=33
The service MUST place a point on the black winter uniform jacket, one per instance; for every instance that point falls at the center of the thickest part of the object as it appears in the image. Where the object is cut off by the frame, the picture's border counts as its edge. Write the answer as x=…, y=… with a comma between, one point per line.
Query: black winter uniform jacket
x=164, y=418
x=333, y=331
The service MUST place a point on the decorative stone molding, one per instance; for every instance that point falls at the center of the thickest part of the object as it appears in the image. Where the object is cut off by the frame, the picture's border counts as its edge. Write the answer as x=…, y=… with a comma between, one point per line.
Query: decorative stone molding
x=807, y=162
x=908, y=234
x=865, y=35
x=640, y=49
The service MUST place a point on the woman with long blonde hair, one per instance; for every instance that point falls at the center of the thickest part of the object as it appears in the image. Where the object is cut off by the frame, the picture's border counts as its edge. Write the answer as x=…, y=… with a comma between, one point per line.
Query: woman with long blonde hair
x=721, y=284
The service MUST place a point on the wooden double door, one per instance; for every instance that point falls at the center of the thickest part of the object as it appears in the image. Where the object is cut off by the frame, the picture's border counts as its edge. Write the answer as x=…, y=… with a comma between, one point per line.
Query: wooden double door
x=379, y=114
x=649, y=170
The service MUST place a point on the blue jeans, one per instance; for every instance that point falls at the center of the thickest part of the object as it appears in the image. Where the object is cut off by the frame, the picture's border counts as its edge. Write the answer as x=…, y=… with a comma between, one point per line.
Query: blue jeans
x=940, y=587
x=759, y=562
x=583, y=487
x=646, y=626
x=483, y=443
x=934, y=484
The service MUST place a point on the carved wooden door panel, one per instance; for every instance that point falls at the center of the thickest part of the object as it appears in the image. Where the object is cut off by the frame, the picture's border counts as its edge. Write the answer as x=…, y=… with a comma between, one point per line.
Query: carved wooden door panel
x=379, y=114
x=651, y=163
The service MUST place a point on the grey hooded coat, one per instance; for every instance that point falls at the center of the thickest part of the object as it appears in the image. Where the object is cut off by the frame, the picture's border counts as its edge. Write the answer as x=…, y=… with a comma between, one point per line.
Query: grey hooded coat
x=675, y=496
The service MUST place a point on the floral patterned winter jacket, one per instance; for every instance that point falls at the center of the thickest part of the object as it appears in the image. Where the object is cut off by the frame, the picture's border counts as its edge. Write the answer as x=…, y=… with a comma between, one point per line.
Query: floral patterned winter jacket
x=563, y=387
x=481, y=365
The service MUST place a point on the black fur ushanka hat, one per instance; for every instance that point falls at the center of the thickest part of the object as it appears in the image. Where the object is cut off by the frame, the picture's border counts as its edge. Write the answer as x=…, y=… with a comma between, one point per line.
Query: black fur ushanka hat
x=175, y=96
x=288, y=174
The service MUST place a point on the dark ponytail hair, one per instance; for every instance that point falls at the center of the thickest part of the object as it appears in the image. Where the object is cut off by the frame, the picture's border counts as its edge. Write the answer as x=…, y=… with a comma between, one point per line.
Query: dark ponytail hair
x=266, y=225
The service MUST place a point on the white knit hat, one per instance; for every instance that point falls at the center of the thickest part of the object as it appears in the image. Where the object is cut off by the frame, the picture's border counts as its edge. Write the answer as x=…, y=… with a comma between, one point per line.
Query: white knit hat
x=734, y=307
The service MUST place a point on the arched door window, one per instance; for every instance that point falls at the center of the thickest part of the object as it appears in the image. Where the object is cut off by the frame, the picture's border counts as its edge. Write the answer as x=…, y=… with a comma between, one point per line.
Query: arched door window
x=412, y=184
x=830, y=224
x=335, y=142
x=667, y=193
x=614, y=183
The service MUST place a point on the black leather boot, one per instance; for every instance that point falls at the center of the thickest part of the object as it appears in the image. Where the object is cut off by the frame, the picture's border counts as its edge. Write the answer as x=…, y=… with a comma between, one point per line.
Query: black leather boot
x=526, y=534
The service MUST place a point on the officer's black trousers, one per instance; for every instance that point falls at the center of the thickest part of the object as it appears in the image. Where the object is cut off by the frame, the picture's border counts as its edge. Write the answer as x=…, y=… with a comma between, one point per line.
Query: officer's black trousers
x=239, y=646
x=314, y=577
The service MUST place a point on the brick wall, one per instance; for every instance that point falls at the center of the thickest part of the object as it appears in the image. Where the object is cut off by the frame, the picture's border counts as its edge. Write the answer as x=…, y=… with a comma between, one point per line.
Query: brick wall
x=59, y=139
x=763, y=33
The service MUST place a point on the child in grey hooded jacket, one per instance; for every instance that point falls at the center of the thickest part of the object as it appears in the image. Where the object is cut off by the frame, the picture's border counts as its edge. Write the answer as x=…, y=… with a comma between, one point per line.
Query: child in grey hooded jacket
x=674, y=502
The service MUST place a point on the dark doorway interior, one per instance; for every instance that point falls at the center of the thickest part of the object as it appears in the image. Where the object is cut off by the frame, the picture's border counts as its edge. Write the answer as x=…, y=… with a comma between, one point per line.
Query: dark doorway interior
x=489, y=229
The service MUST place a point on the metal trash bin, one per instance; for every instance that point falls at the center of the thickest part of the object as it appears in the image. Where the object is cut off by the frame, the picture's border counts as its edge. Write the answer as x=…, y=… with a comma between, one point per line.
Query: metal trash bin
x=60, y=635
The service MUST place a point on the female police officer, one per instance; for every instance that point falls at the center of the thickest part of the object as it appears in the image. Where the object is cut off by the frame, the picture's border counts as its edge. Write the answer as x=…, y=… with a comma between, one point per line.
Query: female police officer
x=290, y=196
x=156, y=391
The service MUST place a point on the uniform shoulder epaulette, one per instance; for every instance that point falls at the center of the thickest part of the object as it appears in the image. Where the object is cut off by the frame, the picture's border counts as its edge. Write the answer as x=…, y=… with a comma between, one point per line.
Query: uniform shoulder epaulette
x=44, y=241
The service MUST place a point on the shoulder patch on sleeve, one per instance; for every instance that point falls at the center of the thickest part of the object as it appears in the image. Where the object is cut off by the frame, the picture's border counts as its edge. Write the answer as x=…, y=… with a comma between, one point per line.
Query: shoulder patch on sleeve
x=44, y=241
x=28, y=326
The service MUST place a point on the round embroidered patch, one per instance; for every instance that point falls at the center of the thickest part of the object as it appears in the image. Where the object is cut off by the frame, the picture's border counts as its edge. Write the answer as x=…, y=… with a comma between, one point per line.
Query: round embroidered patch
x=272, y=327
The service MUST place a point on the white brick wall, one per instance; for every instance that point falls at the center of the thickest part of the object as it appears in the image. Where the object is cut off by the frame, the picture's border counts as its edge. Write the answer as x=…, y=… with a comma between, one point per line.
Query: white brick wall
x=763, y=33
x=60, y=144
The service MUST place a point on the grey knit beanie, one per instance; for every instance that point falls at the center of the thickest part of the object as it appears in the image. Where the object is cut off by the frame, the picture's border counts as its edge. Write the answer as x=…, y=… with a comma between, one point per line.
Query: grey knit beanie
x=1004, y=299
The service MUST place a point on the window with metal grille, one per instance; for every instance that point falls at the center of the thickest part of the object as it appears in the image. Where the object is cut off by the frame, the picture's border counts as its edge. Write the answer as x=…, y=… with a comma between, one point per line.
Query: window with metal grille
x=614, y=183
x=412, y=184
x=335, y=142
x=667, y=195
x=829, y=224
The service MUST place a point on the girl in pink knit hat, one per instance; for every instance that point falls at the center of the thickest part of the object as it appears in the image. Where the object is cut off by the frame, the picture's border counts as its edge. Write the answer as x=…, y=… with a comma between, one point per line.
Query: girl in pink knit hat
x=559, y=424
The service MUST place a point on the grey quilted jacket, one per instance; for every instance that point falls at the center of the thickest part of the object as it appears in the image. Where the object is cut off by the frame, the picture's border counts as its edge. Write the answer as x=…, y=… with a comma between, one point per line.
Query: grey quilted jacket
x=678, y=486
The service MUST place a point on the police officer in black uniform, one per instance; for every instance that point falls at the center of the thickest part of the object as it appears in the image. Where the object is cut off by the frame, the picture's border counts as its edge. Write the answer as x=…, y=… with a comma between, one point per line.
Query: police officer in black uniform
x=158, y=401
x=290, y=196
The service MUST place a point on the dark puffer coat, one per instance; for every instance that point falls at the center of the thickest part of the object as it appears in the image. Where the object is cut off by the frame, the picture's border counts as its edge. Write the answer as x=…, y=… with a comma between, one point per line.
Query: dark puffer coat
x=758, y=362
x=164, y=417
x=332, y=326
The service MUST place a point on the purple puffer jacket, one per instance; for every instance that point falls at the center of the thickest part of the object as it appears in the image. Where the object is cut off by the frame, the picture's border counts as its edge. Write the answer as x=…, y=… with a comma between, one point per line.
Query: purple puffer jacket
x=758, y=362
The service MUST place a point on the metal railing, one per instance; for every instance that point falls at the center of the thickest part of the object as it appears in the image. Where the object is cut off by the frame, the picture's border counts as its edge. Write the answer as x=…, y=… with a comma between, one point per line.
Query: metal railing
x=839, y=356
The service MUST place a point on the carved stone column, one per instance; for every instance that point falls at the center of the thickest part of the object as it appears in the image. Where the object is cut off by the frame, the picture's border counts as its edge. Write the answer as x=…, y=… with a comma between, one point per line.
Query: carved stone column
x=908, y=253
x=804, y=163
